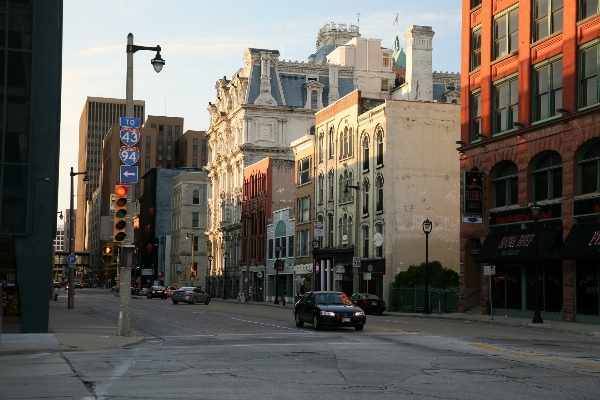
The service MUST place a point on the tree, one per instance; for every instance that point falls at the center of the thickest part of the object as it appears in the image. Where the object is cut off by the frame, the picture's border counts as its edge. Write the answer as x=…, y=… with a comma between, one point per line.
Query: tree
x=439, y=277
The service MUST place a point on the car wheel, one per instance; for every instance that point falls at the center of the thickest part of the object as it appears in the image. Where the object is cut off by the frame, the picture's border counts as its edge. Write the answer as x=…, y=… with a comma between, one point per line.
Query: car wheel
x=194, y=301
x=175, y=302
x=316, y=325
x=359, y=327
x=380, y=313
x=148, y=297
x=207, y=300
x=299, y=323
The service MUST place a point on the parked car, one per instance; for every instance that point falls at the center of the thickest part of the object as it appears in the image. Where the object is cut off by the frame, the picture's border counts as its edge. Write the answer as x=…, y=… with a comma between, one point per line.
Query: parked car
x=143, y=291
x=191, y=295
x=171, y=290
x=57, y=284
x=323, y=309
x=114, y=288
x=157, y=291
x=370, y=303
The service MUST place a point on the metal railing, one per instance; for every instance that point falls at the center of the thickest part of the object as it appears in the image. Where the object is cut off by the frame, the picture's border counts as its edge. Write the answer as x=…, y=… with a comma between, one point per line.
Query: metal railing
x=412, y=298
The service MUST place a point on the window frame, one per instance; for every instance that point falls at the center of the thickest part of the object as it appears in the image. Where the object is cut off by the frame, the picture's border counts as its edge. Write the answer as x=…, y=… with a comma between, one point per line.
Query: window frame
x=510, y=113
x=304, y=168
x=508, y=33
x=551, y=90
x=583, y=161
x=476, y=51
x=475, y=97
x=580, y=87
x=549, y=16
x=365, y=162
x=508, y=189
x=303, y=213
x=581, y=15
x=380, y=152
x=549, y=173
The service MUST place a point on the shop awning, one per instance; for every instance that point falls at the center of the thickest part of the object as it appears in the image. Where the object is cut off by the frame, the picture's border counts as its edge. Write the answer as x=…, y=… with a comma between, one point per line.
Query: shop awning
x=519, y=245
x=582, y=243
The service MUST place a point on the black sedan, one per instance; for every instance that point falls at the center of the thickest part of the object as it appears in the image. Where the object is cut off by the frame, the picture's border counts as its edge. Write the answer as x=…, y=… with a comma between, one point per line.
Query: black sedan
x=157, y=291
x=323, y=309
x=369, y=303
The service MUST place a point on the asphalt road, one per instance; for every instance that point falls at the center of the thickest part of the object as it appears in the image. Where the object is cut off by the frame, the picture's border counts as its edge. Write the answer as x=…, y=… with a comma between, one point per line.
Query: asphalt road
x=242, y=351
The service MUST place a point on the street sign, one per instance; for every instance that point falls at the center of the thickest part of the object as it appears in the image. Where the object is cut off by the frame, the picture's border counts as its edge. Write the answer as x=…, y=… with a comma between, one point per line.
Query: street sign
x=130, y=136
x=71, y=259
x=72, y=266
x=129, y=155
x=318, y=228
x=130, y=122
x=356, y=262
x=129, y=174
x=259, y=274
x=473, y=218
x=340, y=269
x=339, y=277
x=489, y=270
x=366, y=276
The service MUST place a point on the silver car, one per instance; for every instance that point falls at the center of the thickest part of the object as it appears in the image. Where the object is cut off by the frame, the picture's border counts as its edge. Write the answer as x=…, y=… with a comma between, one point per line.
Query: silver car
x=190, y=295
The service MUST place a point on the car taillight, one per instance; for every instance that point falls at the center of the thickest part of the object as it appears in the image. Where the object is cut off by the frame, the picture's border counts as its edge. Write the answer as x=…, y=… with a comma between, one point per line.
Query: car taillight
x=382, y=303
x=154, y=291
x=365, y=301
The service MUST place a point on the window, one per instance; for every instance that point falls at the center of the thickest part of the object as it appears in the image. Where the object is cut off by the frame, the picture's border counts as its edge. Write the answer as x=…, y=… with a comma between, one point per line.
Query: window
x=379, y=138
x=291, y=246
x=195, y=244
x=365, y=188
x=506, y=103
x=303, y=243
x=365, y=250
x=505, y=184
x=547, y=90
x=330, y=230
x=476, y=48
x=588, y=170
x=313, y=99
x=204, y=148
x=379, y=250
x=330, y=186
x=148, y=141
x=321, y=188
x=475, y=115
x=365, y=154
x=195, y=147
x=379, y=184
x=283, y=246
x=548, y=18
x=547, y=178
x=475, y=3
x=321, y=145
x=587, y=8
x=345, y=226
x=346, y=143
x=384, y=85
x=195, y=219
x=304, y=171
x=270, y=249
x=588, y=76
x=331, y=143
x=303, y=209
x=386, y=60
x=196, y=197
x=506, y=33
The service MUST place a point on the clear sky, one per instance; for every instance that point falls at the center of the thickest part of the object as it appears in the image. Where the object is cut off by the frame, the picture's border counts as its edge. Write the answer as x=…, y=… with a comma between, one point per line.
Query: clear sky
x=204, y=40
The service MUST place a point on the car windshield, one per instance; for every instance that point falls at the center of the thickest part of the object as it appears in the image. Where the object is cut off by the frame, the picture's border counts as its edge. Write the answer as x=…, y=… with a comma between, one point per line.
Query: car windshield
x=331, y=298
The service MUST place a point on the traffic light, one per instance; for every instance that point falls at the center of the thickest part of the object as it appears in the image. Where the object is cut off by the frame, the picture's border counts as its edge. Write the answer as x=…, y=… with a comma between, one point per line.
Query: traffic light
x=107, y=253
x=120, y=213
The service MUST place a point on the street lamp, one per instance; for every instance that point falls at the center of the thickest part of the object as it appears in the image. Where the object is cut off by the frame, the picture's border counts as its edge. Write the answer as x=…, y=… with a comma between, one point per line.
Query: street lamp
x=355, y=285
x=534, y=209
x=71, y=292
x=277, y=250
x=207, y=274
x=315, y=247
x=192, y=269
x=225, y=256
x=427, y=227
x=157, y=62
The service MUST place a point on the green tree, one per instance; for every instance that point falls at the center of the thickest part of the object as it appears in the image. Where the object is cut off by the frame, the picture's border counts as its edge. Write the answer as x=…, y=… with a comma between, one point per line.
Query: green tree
x=439, y=277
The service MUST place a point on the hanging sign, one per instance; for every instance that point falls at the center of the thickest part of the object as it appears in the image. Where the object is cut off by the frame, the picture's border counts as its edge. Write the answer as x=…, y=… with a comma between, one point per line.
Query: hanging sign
x=473, y=193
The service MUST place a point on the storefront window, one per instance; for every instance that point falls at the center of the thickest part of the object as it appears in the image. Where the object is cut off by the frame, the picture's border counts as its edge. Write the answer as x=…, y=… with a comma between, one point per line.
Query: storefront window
x=587, y=288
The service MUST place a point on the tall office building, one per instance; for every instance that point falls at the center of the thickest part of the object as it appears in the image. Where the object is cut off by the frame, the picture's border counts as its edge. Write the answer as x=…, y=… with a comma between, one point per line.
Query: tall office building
x=98, y=116
x=30, y=91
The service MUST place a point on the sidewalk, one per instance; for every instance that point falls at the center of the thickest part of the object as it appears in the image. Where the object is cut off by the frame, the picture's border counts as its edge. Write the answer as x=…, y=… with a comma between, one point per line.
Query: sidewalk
x=70, y=330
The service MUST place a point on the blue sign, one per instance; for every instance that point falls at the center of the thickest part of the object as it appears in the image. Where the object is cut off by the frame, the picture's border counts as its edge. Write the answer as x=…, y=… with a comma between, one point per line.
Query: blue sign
x=129, y=155
x=130, y=136
x=473, y=218
x=129, y=174
x=72, y=266
x=130, y=122
x=71, y=259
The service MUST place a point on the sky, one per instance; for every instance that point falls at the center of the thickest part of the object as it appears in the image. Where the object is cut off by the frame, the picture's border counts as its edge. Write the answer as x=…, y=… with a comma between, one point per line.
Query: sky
x=204, y=40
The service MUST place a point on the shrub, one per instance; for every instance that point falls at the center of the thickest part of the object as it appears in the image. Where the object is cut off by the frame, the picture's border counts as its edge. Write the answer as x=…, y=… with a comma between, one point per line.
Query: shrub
x=439, y=277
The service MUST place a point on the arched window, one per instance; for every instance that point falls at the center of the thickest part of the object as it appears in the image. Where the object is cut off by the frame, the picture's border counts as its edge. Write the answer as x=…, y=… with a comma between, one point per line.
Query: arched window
x=379, y=184
x=588, y=170
x=321, y=146
x=331, y=143
x=365, y=162
x=196, y=197
x=329, y=230
x=331, y=184
x=341, y=195
x=345, y=142
x=345, y=225
x=547, y=178
x=350, y=143
x=365, y=190
x=379, y=250
x=379, y=139
x=365, y=236
x=321, y=188
x=506, y=185
x=341, y=144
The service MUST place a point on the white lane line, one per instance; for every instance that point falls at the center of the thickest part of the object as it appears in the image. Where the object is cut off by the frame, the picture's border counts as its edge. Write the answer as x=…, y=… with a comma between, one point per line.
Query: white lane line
x=274, y=326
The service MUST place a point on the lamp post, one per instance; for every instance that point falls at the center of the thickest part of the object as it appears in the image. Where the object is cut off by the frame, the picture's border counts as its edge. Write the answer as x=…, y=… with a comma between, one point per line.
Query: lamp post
x=71, y=292
x=315, y=247
x=247, y=218
x=534, y=209
x=355, y=285
x=277, y=250
x=207, y=274
x=192, y=269
x=225, y=256
x=427, y=227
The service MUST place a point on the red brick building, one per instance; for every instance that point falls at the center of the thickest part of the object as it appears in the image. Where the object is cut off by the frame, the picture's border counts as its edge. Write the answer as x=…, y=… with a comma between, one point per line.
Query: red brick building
x=530, y=133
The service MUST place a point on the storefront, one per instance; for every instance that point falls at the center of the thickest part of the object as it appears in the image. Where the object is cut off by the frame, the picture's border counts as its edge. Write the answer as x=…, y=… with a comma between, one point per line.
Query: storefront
x=371, y=274
x=303, y=282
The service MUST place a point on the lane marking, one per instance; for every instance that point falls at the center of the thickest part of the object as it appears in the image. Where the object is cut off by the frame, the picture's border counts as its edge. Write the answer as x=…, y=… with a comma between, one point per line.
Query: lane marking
x=534, y=356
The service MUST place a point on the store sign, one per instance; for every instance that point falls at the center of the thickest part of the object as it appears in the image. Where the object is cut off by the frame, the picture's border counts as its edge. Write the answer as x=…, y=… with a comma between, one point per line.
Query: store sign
x=523, y=214
x=473, y=192
x=586, y=206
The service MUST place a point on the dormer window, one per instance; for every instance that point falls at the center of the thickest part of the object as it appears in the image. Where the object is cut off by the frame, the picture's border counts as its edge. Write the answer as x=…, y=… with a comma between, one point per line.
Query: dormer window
x=314, y=94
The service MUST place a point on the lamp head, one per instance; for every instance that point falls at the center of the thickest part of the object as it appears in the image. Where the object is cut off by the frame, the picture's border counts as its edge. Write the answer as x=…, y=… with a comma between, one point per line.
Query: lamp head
x=86, y=178
x=535, y=211
x=157, y=62
x=427, y=226
x=315, y=244
x=61, y=215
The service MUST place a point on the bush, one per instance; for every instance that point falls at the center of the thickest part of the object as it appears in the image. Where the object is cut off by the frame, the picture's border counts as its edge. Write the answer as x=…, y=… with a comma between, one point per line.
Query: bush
x=439, y=277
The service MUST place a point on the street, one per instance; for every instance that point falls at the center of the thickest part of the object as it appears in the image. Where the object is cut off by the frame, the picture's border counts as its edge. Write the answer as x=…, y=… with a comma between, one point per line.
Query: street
x=248, y=351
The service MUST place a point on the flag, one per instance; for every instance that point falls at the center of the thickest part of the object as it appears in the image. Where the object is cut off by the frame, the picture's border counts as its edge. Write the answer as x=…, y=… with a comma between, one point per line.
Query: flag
x=395, y=21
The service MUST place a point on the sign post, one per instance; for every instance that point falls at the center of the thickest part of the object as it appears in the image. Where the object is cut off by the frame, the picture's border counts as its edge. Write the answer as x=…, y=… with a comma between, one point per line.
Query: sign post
x=490, y=270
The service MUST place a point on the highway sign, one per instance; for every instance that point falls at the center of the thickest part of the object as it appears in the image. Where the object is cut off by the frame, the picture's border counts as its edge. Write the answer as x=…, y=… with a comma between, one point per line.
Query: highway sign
x=130, y=136
x=130, y=122
x=129, y=155
x=129, y=174
x=71, y=259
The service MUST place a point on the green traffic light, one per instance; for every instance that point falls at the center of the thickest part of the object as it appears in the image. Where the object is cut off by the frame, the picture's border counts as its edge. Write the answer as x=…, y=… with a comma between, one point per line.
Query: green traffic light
x=121, y=213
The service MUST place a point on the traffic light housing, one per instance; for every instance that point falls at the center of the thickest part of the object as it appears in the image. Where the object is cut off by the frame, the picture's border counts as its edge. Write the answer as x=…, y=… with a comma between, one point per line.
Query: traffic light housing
x=107, y=253
x=120, y=222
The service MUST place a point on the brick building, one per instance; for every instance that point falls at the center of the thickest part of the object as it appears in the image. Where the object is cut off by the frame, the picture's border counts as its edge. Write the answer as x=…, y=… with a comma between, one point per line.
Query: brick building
x=530, y=134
